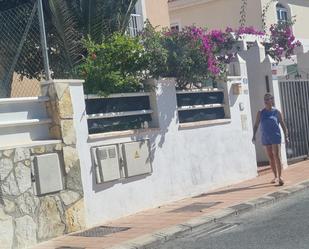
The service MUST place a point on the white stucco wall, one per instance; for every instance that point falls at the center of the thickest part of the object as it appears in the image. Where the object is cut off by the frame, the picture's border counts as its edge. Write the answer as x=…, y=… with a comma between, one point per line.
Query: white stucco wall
x=185, y=162
x=302, y=60
x=305, y=44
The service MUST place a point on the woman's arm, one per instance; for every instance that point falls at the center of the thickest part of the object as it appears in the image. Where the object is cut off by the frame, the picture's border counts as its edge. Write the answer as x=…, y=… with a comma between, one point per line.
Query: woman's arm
x=285, y=129
x=256, y=125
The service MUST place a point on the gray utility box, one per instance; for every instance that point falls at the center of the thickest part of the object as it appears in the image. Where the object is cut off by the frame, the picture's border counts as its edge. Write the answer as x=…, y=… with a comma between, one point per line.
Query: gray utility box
x=136, y=156
x=47, y=173
x=107, y=159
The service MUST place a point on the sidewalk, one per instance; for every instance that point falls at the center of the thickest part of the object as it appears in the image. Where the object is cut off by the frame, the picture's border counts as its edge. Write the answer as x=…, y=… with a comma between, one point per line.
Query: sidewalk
x=157, y=225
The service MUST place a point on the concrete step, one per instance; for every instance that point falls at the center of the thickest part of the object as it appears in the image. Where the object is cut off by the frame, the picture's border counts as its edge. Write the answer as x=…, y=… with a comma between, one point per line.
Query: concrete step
x=23, y=120
x=14, y=109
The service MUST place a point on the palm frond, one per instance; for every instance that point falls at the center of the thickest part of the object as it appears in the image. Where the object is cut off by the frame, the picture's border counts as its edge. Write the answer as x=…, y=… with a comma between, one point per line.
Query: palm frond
x=65, y=20
x=75, y=19
x=126, y=18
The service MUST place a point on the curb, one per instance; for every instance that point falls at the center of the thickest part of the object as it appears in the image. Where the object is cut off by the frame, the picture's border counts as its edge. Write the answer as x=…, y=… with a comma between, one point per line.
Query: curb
x=153, y=240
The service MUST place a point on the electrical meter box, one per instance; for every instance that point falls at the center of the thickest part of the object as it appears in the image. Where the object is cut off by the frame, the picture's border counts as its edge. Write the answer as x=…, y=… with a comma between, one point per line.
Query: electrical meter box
x=47, y=173
x=136, y=156
x=108, y=163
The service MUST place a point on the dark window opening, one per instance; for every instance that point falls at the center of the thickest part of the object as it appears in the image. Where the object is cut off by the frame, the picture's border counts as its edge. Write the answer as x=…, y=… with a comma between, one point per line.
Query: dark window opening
x=282, y=13
x=267, y=83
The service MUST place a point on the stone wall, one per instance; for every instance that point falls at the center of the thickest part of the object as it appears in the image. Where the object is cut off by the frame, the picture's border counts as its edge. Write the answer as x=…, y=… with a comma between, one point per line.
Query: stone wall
x=26, y=219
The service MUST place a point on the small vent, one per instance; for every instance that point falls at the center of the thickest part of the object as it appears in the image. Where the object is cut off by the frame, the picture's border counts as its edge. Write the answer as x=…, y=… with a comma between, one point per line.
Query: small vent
x=101, y=231
x=112, y=153
x=102, y=154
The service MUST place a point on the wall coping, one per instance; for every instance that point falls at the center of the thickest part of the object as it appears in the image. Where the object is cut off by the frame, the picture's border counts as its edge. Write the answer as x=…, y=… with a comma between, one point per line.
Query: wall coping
x=63, y=81
x=26, y=122
x=30, y=144
x=235, y=77
x=117, y=95
x=118, y=114
x=115, y=134
x=200, y=90
x=23, y=100
x=205, y=123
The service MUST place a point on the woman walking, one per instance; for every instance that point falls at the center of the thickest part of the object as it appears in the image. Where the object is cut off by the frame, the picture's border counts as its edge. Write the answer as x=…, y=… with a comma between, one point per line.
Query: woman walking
x=270, y=118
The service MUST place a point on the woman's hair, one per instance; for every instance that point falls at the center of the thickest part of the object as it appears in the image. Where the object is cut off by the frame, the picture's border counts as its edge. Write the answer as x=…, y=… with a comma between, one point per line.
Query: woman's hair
x=268, y=95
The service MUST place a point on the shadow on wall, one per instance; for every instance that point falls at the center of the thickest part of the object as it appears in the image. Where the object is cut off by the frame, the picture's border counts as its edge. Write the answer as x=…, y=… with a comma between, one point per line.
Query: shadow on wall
x=165, y=110
x=1, y=197
x=164, y=120
x=232, y=97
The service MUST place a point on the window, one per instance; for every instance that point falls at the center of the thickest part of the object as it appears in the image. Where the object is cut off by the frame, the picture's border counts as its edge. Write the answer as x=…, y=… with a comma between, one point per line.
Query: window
x=136, y=22
x=201, y=105
x=282, y=13
x=267, y=84
x=118, y=112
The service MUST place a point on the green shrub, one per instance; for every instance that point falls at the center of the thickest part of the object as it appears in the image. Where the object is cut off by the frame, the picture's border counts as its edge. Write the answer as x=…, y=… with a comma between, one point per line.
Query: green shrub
x=193, y=56
x=116, y=65
x=186, y=61
x=157, y=53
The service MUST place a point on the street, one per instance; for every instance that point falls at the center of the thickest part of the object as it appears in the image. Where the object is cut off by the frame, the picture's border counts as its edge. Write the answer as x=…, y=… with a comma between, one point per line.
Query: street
x=284, y=225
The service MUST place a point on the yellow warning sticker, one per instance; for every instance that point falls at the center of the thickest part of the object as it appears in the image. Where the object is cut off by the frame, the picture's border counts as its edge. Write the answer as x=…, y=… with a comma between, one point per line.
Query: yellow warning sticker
x=136, y=155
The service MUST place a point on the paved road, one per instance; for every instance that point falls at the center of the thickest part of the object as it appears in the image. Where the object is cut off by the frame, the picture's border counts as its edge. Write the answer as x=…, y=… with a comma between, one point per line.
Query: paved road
x=284, y=225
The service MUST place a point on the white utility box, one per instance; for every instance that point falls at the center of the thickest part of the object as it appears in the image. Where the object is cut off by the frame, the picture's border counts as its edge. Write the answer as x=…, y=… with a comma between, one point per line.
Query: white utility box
x=108, y=163
x=136, y=156
x=48, y=174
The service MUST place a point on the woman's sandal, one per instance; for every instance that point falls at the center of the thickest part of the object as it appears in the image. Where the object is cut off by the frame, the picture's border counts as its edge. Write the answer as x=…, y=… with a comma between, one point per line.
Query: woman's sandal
x=280, y=182
x=273, y=181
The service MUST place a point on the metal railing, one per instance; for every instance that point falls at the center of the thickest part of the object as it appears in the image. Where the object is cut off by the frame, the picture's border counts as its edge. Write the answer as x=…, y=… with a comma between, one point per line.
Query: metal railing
x=295, y=101
x=21, y=64
x=135, y=25
x=118, y=112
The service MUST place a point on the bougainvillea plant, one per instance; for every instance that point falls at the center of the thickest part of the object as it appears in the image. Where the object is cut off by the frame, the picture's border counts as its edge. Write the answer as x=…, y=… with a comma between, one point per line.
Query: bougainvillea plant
x=219, y=45
x=194, y=56
x=186, y=60
x=282, y=42
x=197, y=55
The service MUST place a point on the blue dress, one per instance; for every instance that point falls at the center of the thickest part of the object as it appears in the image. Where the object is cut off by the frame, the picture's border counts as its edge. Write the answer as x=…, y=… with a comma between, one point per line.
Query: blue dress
x=270, y=127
